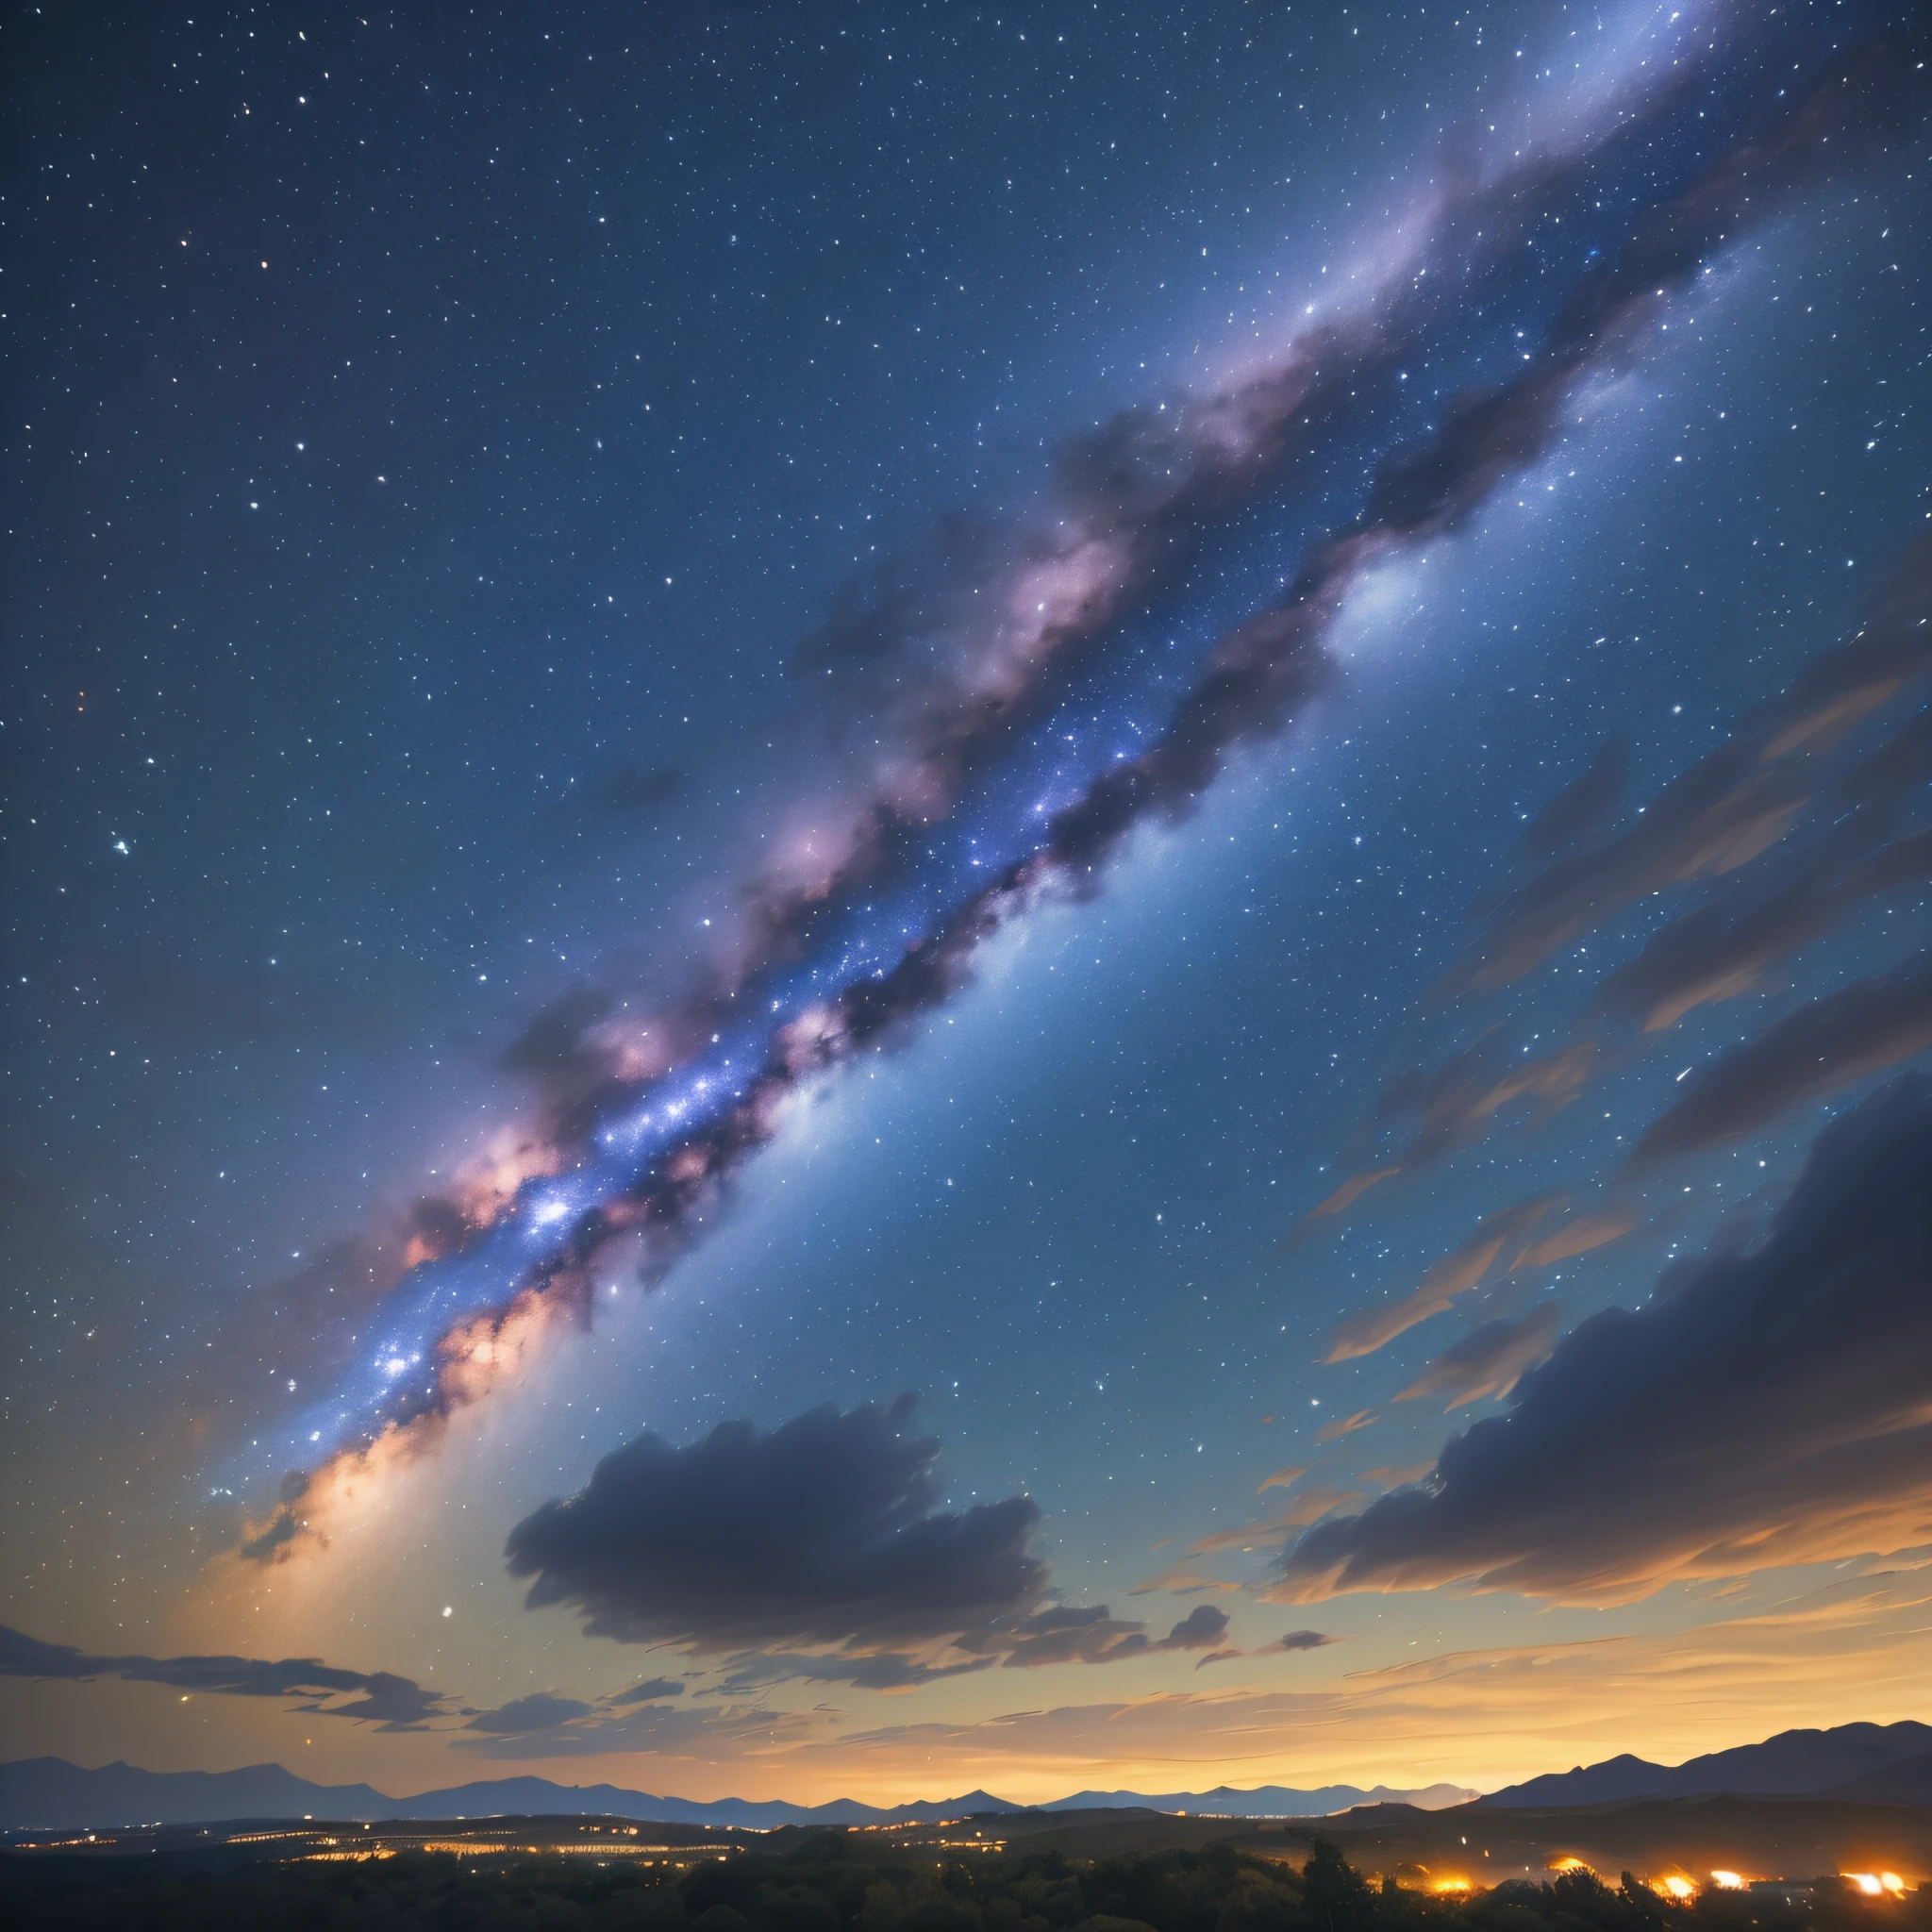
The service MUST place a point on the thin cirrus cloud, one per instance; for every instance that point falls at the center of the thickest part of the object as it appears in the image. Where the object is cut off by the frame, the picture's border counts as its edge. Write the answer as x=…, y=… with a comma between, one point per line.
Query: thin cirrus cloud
x=1734, y=803
x=1716, y=953
x=1813, y=1052
x=1704, y=823
x=1308, y=1505
x=1489, y=1360
x=539, y=1710
x=1768, y=1408
x=1582, y=1234
x=1457, y=1272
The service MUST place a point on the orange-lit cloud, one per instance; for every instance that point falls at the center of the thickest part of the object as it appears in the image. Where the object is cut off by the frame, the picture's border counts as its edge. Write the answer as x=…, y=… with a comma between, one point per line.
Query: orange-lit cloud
x=1485, y=1716
x=1823, y=1046
x=1345, y=1425
x=1454, y=1274
x=1489, y=1361
x=1579, y=1235
x=1266, y=1532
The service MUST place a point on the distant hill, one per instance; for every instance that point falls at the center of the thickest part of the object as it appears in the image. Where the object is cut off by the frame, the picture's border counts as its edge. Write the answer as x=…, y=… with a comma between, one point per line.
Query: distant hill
x=1867, y=1763
x=1793, y=1764
x=1267, y=1801
x=1907, y=1782
x=537, y=1797
x=50, y=1792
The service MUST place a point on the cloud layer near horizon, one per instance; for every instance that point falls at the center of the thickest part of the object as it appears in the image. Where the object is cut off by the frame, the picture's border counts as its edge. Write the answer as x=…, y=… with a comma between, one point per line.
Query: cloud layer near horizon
x=391, y=1702
x=1514, y=1709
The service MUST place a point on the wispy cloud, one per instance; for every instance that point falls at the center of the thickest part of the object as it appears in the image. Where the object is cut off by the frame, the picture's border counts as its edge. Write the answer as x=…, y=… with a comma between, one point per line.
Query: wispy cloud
x=1770, y=1408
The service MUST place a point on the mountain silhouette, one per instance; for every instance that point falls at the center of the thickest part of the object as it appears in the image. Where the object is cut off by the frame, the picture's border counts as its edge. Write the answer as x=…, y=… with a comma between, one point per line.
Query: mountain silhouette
x=1793, y=1764
x=42, y=1791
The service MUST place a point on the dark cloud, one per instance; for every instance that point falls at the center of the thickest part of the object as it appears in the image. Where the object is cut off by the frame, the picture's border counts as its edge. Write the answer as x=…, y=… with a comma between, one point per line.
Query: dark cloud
x=876, y=1669
x=1067, y=1634
x=1824, y=1045
x=710, y=1734
x=1202, y=1628
x=1304, y=1640
x=381, y=1697
x=823, y=1531
x=1715, y=953
x=1771, y=1409
x=538, y=1711
x=651, y=1688
x=1582, y=809
x=1489, y=1360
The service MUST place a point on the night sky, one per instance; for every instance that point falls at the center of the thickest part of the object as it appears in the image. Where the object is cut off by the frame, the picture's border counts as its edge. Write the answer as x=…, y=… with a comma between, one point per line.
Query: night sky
x=841, y=837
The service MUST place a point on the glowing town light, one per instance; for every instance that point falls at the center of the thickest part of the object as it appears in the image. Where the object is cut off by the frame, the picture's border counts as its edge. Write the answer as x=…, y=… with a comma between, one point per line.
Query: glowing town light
x=1728, y=1881
x=1679, y=1888
x=1893, y=1883
x=1867, y=1882
x=1450, y=1885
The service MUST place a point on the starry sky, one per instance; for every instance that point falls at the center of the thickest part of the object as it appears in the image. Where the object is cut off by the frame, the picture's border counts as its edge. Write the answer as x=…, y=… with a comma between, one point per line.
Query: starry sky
x=853, y=845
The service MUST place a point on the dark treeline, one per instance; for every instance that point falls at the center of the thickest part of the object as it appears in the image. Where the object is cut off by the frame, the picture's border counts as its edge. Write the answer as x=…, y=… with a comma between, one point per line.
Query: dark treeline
x=837, y=1882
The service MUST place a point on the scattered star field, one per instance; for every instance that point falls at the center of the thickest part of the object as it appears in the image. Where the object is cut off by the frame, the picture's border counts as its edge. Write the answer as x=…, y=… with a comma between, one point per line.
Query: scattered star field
x=850, y=846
